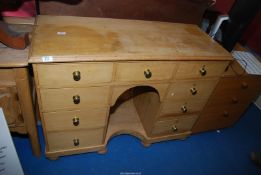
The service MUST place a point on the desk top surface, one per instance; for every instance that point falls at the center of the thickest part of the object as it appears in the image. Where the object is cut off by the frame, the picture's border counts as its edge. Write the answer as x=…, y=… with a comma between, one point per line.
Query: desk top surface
x=68, y=39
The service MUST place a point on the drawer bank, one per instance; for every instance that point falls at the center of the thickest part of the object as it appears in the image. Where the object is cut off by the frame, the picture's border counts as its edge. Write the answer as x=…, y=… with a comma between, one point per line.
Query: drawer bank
x=97, y=78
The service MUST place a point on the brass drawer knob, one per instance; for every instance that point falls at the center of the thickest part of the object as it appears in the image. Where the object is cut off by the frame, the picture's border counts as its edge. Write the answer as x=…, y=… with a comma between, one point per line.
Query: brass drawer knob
x=226, y=113
x=184, y=109
x=244, y=85
x=76, y=142
x=76, y=99
x=147, y=74
x=76, y=75
x=76, y=121
x=234, y=100
x=174, y=128
x=193, y=91
x=203, y=71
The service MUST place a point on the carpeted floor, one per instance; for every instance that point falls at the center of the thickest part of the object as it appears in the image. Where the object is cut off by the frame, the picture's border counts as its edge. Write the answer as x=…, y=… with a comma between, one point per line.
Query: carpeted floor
x=213, y=153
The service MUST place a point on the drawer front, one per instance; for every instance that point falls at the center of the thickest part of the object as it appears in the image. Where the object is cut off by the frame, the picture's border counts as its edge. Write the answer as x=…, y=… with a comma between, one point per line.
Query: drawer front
x=236, y=90
x=74, y=139
x=144, y=71
x=223, y=111
x=78, y=119
x=217, y=117
x=73, y=98
x=175, y=125
x=73, y=75
x=182, y=107
x=200, y=69
x=183, y=90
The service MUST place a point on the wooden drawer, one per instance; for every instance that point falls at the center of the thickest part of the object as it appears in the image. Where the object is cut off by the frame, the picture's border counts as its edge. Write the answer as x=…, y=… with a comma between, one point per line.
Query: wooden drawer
x=216, y=117
x=78, y=119
x=175, y=125
x=200, y=69
x=66, y=99
x=69, y=139
x=236, y=90
x=223, y=111
x=144, y=71
x=183, y=90
x=65, y=75
x=182, y=107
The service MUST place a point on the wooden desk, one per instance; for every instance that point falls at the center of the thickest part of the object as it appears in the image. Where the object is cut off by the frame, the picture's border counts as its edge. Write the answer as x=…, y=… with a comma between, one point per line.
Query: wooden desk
x=97, y=78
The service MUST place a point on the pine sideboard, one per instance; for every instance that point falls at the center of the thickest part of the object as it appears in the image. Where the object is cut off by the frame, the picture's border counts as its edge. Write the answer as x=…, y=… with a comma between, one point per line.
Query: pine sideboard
x=16, y=89
x=16, y=94
x=100, y=77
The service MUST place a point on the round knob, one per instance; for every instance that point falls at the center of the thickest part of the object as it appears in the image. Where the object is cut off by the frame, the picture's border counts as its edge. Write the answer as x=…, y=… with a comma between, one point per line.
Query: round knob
x=147, y=74
x=226, y=113
x=234, y=100
x=76, y=99
x=184, y=109
x=76, y=121
x=203, y=71
x=193, y=91
x=76, y=75
x=174, y=128
x=244, y=85
x=76, y=142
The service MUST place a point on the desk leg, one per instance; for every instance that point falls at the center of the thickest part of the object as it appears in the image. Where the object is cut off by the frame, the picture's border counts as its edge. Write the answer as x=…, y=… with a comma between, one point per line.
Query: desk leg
x=25, y=100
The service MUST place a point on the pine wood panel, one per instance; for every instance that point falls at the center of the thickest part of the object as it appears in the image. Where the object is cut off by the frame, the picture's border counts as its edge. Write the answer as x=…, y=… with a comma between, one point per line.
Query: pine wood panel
x=7, y=77
x=13, y=58
x=191, y=69
x=9, y=103
x=62, y=99
x=147, y=106
x=24, y=92
x=63, y=120
x=65, y=140
x=135, y=71
x=61, y=75
x=97, y=39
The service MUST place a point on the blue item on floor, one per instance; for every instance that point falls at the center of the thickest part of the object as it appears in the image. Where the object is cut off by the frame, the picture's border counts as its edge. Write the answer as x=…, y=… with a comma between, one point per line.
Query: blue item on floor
x=221, y=152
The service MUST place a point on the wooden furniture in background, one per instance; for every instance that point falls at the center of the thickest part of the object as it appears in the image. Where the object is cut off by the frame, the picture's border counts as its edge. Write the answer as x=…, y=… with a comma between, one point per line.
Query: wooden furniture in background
x=182, y=11
x=16, y=90
x=97, y=78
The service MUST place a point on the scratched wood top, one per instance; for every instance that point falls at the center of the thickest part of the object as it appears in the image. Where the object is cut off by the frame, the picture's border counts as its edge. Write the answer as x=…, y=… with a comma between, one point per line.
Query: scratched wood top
x=68, y=39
